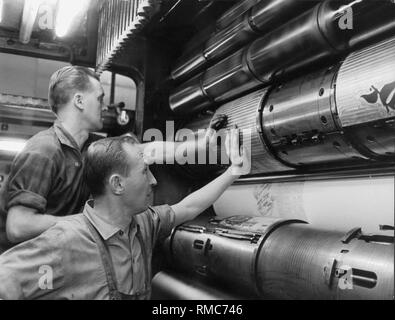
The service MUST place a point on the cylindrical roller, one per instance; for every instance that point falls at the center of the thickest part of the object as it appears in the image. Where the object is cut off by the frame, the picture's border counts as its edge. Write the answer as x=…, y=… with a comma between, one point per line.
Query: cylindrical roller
x=263, y=17
x=286, y=259
x=190, y=97
x=188, y=64
x=311, y=37
x=298, y=122
x=300, y=262
x=222, y=81
x=230, y=39
x=304, y=40
x=237, y=10
x=374, y=21
x=229, y=78
x=170, y=286
x=215, y=48
x=268, y=15
x=376, y=141
x=244, y=112
x=365, y=98
x=223, y=250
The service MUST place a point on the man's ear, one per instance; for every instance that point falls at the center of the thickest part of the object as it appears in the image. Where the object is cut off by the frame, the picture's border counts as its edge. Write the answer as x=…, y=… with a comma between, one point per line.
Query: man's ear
x=79, y=100
x=117, y=184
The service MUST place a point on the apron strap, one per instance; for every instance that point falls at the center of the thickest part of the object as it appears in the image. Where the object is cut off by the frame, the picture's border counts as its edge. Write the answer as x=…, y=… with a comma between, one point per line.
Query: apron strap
x=106, y=260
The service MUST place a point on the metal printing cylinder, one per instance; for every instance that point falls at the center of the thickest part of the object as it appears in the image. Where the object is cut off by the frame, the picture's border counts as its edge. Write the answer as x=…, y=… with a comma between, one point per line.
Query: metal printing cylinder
x=286, y=259
x=261, y=18
x=374, y=22
x=298, y=122
x=225, y=251
x=196, y=94
x=168, y=285
x=245, y=113
x=300, y=262
x=190, y=94
x=340, y=116
x=311, y=37
x=256, y=64
x=228, y=78
x=365, y=99
x=315, y=37
x=192, y=50
x=237, y=10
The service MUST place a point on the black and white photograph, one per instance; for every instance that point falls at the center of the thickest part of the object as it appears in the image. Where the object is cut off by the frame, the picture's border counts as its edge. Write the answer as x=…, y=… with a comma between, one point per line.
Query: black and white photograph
x=199, y=154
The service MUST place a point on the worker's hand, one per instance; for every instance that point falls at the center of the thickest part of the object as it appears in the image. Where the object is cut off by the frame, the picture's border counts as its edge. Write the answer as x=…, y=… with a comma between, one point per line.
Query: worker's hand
x=239, y=156
x=218, y=122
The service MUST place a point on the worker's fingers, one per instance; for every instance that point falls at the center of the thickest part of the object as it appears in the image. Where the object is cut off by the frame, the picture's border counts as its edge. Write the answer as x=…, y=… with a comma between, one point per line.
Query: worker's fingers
x=218, y=121
x=235, y=146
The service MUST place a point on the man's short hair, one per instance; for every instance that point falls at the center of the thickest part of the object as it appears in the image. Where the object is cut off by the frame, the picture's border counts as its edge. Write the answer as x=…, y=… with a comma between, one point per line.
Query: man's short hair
x=104, y=158
x=65, y=82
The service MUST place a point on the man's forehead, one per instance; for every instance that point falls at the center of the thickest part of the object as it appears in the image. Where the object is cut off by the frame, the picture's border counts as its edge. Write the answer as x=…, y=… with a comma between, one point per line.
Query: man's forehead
x=96, y=84
x=135, y=153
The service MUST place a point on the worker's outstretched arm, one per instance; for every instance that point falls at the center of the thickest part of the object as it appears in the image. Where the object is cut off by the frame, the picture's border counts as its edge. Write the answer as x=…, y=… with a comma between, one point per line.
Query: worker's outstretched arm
x=170, y=152
x=200, y=200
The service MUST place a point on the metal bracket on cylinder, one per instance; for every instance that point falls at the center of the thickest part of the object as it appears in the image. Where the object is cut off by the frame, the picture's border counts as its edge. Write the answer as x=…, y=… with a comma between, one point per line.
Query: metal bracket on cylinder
x=329, y=271
x=353, y=233
x=192, y=228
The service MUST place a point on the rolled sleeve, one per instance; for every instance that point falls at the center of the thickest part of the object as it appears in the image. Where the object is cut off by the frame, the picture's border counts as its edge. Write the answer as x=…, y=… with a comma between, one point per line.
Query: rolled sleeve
x=163, y=221
x=30, y=181
x=33, y=269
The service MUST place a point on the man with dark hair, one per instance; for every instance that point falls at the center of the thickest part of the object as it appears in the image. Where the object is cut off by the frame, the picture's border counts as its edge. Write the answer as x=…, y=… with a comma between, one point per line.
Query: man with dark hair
x=106, y=252
x=46, y=181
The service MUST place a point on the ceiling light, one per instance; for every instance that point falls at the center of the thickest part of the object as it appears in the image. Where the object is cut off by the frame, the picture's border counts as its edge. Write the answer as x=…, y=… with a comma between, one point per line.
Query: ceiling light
x=67, y=11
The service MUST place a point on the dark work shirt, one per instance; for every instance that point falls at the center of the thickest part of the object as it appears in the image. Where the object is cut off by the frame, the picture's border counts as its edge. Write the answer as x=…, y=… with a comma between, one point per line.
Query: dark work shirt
x=47, y=175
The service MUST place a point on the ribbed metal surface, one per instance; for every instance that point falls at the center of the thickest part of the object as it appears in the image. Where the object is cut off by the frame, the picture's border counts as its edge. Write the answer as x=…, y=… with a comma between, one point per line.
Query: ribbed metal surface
x=119, y=20
x=365, y=88
x=243, y=112
x=300, y=262
x=298, y=122
x=223, y=250
x=286, y=259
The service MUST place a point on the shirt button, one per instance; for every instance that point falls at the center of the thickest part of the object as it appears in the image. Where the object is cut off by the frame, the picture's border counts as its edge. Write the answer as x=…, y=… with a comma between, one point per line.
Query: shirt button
x=121, y=233
x=77, y=164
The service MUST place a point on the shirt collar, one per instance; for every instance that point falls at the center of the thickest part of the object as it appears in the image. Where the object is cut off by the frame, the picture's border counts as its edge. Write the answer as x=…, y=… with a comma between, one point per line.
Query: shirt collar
x=105, y=229
x=64, y=136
